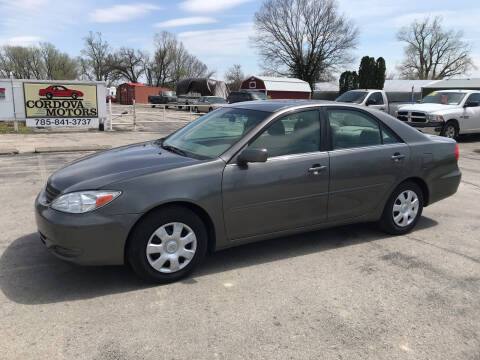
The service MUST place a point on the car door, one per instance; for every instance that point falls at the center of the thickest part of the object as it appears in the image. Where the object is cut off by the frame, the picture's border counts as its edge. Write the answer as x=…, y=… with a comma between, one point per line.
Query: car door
x=470, y=121
x=289, y=190
x=367, y=159
x=377, y=99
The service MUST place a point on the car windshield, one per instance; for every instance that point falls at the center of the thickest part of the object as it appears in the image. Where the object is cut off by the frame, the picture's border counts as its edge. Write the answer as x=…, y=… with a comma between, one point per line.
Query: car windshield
x=211, y=135
x=217, y=100
x=355, y=97
x=259, y=96
x=443, y=97
x=168, y=93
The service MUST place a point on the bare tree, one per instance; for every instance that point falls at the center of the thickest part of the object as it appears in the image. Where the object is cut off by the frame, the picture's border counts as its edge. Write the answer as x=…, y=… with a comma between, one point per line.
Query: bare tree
x=172, y=62
x=96, y=58
x=22, y=62
x=128, y=64
x=234, y=77
x=433, y=52
x=57, y=65
x=307, y=39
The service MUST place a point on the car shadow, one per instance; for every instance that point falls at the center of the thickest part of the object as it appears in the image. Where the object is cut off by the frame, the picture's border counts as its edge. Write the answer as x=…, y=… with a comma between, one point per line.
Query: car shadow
x=30, y=275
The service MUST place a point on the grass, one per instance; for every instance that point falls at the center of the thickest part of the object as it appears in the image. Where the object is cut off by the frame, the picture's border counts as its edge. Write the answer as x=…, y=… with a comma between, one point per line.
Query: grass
x=7, y=128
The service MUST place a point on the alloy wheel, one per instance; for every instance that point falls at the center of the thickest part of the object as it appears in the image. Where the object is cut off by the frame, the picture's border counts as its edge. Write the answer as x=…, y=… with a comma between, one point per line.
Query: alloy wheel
x=171, y=247
x=405, y=208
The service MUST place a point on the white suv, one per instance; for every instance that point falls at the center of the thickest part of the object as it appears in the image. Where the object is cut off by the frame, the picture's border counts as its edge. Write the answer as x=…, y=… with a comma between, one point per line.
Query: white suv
x=445, y=112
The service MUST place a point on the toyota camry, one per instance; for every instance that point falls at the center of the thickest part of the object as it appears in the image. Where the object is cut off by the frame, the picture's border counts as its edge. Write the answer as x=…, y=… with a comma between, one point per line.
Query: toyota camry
x=242, y=173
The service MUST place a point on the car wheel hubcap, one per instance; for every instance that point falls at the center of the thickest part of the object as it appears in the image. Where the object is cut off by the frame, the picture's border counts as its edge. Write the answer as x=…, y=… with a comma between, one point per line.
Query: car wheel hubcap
x=405, y=208
x=171, y=247
x=450, y=132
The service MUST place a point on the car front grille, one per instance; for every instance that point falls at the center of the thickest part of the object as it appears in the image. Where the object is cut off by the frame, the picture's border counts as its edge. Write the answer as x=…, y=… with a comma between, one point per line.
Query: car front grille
x=51, y=193
x=412, y=116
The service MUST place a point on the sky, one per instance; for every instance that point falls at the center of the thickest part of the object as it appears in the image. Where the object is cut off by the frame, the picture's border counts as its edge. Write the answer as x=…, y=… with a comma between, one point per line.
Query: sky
x=218, y=31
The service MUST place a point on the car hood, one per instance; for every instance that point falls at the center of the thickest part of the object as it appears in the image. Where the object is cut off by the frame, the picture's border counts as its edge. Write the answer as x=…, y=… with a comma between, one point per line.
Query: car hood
x=427, y=107
x=101, y=169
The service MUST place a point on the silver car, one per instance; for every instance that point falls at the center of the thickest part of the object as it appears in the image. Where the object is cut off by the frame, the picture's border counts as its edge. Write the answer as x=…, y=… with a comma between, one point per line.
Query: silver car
x=208, y=103
x=246, y=172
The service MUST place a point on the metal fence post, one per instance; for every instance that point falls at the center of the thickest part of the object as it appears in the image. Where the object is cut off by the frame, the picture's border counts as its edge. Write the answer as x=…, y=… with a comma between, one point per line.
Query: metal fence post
x=110, y=112
x=163, y=113
x=134, y=117
x=15, y=120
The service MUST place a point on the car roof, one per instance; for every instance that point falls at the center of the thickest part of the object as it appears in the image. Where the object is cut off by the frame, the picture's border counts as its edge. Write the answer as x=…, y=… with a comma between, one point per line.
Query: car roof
x=278, y=105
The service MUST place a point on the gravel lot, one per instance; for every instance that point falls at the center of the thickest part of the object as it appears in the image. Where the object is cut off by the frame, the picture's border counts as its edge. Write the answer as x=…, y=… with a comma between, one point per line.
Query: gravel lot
x=345, y=293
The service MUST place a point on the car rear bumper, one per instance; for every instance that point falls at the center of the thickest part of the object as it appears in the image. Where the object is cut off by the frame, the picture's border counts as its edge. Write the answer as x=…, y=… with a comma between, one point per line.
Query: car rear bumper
x=445, y=186
x=86, y=239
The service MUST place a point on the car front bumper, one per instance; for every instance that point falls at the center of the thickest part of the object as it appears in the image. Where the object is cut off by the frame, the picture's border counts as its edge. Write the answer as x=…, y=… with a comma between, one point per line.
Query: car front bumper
x=88, y=239
x=432, y=128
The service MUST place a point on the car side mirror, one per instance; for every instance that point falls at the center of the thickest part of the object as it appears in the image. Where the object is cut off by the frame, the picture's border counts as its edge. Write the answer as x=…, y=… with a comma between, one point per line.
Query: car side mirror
x=252, y=156
x=370, y=102
x=471, y=104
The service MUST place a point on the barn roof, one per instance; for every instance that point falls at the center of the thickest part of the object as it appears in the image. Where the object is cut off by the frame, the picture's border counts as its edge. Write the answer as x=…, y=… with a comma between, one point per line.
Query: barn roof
x=283, y=84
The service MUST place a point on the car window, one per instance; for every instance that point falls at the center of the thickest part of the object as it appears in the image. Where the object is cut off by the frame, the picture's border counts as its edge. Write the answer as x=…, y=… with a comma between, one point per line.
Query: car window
x=377, y=98
x=211, y=135
x=474, y=97
x=350, y=129
x=293, y=134
x=389, y=137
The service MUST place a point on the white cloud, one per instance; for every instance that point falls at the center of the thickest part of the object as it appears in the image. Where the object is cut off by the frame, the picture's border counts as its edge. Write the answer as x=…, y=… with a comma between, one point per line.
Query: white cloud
x=120, y=13
x=227, y=41
x=20, y=40
x=196, y=20
x=207, y=6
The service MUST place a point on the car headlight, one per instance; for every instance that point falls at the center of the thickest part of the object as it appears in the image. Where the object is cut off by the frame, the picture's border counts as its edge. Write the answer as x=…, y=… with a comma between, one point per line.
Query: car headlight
x=83, y=201
x=435, y=118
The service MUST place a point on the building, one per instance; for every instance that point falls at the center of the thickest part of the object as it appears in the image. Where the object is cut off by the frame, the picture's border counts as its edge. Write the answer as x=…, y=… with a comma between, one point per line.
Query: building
x=448, y=84
x=277, y=87
x=128, y=91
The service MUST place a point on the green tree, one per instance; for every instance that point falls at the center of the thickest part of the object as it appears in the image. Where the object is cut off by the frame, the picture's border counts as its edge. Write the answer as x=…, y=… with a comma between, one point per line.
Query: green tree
x=380, y=73
x=366, y=73
x=348, y=81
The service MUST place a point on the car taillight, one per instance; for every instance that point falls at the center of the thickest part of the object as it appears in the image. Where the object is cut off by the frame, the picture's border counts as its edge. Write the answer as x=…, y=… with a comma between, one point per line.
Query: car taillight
x=457, y=153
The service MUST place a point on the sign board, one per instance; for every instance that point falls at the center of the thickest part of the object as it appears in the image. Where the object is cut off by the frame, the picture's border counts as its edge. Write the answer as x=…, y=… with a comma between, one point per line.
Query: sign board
x=53, y=104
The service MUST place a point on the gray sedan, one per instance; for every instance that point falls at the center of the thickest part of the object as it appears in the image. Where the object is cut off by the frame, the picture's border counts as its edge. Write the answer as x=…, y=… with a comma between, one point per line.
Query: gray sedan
x=208, y=103
x=242, y=173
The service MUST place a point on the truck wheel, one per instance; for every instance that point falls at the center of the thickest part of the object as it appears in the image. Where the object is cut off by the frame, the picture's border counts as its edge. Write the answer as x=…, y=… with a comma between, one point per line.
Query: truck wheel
x=450, y=130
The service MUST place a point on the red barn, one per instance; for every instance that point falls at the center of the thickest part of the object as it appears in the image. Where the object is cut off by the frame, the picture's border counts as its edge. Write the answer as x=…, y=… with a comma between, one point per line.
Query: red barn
x=277, y=87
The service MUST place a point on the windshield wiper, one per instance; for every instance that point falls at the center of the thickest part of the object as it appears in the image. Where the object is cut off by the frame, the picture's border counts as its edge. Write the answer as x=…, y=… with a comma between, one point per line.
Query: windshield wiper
x=175, y=150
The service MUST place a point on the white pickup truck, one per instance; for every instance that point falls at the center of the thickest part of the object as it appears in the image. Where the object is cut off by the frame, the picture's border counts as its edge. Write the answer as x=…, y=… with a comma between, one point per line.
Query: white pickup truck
x=377, y=99
x=445, y=112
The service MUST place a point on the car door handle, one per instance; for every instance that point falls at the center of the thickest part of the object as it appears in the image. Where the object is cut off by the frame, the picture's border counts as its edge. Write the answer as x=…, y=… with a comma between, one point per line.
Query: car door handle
x=315, y=169
x=398, y=157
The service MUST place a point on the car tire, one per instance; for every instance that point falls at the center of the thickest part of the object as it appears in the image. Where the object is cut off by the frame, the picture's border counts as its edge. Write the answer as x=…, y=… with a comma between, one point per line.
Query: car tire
x=450, y=130
x=49, y=96
x=74, y=96
x=195, y=109
x=400, y=214
x=144, y=236
x=210, y=109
